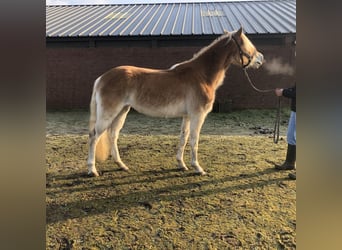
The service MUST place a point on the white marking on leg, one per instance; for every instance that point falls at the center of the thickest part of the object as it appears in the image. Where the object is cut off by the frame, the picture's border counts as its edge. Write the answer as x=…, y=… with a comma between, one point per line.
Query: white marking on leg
x=184, y=135
x=115, y=130
x=196, y=123
x=93, y=139
x=101, y=125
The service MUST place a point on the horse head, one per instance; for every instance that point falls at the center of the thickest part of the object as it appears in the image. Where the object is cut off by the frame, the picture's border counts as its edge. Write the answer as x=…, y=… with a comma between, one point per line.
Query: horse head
x=248, y=56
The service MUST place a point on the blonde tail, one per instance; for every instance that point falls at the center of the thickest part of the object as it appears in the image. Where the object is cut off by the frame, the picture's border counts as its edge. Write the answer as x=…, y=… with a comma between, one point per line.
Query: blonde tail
x=103, y=146
x=92, y=119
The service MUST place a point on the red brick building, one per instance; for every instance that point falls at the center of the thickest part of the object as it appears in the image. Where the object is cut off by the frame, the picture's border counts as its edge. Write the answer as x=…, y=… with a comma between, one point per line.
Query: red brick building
x=85, y=41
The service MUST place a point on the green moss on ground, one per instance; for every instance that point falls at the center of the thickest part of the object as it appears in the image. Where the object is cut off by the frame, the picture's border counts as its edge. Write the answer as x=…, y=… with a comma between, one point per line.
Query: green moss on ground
x=243, y=203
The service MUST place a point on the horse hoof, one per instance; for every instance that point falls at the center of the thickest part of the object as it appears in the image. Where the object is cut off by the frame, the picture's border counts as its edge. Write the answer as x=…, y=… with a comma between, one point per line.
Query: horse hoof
x=93, y=174
x=122, y=166
x=182, y=168
x=201, y=172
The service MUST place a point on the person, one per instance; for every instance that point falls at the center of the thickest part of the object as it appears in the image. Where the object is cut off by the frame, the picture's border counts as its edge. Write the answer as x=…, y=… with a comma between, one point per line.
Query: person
x=290, y=161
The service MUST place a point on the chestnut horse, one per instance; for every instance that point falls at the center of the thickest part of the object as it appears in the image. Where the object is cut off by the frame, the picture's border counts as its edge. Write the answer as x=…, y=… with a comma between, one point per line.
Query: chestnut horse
x=185, y=90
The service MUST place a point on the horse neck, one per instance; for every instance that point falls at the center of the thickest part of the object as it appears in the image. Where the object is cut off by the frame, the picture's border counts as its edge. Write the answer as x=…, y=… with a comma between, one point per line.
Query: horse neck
x=213, y=62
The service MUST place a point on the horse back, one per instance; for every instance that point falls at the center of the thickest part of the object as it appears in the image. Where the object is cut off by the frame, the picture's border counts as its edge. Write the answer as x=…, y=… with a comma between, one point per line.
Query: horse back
x=166, y=93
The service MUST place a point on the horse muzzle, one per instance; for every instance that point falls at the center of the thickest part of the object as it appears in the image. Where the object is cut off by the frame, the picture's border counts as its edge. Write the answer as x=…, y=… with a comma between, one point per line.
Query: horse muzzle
x=259, y=60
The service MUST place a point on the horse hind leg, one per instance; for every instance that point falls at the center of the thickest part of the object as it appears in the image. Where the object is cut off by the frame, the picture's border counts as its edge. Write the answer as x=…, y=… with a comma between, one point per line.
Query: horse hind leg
x=116, y=126
x=94, y=137
x=103, y=122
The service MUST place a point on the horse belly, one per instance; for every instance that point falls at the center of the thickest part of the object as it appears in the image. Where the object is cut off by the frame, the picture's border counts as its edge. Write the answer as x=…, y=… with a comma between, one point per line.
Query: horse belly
x=167, y=111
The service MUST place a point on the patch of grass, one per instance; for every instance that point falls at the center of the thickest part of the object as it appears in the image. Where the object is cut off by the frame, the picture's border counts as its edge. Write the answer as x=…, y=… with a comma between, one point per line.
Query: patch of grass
x=243, y=203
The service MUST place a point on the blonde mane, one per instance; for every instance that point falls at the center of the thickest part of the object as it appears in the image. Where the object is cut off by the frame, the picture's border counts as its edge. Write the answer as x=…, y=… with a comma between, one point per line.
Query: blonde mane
x=225, y=35
x=213, y=44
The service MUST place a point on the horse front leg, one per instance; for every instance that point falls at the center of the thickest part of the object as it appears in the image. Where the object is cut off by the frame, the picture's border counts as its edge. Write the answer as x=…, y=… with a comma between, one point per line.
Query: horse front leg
x=184, y=135
x=196, y=122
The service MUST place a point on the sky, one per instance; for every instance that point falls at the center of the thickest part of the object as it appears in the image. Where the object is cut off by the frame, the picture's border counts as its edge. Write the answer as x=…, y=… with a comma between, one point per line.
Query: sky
x=82, y=2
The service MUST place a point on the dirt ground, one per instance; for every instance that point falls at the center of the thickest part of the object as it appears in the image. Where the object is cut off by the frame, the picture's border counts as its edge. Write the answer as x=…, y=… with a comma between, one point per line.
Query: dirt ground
x=243, y=203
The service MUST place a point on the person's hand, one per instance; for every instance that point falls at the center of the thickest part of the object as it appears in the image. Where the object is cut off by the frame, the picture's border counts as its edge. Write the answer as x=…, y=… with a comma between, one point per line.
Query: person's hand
x=278, y=92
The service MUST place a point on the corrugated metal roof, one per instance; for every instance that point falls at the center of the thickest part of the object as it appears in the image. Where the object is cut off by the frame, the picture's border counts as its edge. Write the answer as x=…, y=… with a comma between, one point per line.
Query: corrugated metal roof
x=256, y=17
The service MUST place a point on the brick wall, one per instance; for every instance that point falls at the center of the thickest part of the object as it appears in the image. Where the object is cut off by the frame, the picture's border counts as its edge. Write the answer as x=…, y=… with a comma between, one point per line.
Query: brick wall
x=71, y=73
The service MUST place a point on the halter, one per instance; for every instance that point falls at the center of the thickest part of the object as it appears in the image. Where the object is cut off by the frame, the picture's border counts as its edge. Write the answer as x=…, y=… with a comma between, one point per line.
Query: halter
x=244, y=67
x=242, y=53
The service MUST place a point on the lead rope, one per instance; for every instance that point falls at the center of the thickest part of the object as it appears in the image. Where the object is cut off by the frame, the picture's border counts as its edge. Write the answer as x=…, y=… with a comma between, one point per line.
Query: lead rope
x=277, y=124
x=253, y=86
x=276, y=131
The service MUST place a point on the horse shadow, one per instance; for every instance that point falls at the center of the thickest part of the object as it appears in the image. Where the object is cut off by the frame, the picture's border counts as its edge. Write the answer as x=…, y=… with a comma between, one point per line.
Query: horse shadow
x=193, y=188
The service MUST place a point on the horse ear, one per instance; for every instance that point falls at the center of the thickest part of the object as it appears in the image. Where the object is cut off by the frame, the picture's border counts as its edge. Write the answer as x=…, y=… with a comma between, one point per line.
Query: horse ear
x=225, y=31
x=239, y=32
